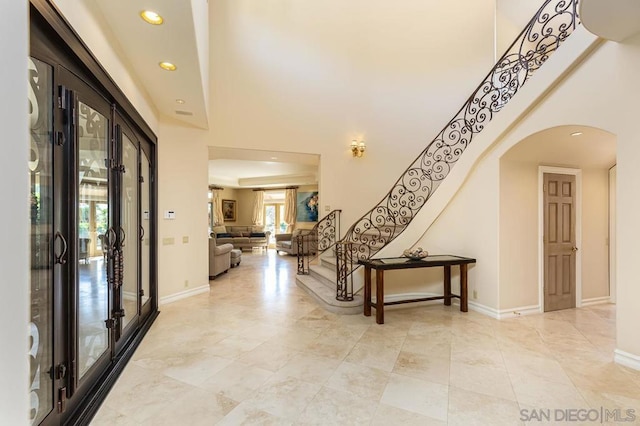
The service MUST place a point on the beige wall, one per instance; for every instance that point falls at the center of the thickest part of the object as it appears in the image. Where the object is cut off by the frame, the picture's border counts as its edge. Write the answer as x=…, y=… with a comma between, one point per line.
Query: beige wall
x=182, y=182
x=626, y=58
x=595, y=233
x=518, y=234
x=245, y=206
x=511, y=18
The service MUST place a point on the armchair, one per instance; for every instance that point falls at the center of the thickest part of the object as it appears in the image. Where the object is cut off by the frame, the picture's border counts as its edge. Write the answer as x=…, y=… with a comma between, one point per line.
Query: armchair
x=219, y=258
x=83, y=249
x=287, y=243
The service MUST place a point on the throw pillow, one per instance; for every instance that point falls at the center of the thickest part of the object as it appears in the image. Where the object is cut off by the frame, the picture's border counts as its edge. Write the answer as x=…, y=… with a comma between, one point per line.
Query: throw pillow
x=223, y=235
x=257, y=234
x=219, y=229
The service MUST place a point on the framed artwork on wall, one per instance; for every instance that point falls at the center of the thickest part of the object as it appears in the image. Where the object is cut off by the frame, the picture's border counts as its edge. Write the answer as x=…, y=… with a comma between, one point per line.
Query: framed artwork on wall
x=229, y=210
x=307, y=207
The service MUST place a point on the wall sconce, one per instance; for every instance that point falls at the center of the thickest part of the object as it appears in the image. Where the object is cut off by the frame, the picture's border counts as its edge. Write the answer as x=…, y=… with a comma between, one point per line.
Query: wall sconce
x=357, y=148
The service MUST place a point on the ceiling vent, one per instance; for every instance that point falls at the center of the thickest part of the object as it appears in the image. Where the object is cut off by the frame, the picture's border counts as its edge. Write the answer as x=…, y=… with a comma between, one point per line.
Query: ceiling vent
x=184, y=113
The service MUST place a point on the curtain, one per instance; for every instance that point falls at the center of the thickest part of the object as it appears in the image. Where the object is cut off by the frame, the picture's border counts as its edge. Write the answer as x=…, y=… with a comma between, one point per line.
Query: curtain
x=290, y=196
x=258, y=208
x=217, y=208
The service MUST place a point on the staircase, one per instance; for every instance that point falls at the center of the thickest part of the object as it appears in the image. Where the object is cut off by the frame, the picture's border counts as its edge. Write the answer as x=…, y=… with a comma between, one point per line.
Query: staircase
x=554, y=22
x=320, y=284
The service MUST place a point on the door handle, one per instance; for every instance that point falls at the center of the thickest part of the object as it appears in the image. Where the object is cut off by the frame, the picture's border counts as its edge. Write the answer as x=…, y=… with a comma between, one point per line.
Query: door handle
x=141, y=233
x=574, y=249
x=123, y=236
x=60, y=259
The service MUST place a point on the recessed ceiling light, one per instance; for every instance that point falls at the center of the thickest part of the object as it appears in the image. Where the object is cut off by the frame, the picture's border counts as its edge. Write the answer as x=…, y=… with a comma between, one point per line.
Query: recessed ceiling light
x=180, y=101
x=274, y=158
x=168, y=66
x=576, y=133
x=151, y=17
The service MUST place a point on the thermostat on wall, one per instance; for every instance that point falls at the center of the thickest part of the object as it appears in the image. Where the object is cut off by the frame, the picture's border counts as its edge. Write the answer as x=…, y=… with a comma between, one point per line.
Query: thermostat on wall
x=169, y=214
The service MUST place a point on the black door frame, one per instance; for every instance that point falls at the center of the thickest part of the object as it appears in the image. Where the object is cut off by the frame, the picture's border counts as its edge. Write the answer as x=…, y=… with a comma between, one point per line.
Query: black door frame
x=55, y=42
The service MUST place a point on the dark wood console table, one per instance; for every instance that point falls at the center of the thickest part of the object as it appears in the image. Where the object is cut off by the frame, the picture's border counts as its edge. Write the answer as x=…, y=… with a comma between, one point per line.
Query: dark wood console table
x=381, y=265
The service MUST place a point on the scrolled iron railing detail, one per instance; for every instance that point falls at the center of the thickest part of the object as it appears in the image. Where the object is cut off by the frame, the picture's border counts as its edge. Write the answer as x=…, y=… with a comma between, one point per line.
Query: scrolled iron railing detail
x=550, y=26
x=328, y=231
x=317, y=240
x=344, y=266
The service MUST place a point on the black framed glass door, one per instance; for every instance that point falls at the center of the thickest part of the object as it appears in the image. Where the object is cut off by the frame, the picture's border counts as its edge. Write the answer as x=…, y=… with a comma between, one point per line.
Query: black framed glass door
x=87, y=214
x=93, y=228
x=128, y=292
x=41, y=165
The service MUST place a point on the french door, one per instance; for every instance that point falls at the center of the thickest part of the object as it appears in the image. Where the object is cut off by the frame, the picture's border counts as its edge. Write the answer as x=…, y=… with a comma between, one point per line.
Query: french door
x=90, y=208
x=274, y=220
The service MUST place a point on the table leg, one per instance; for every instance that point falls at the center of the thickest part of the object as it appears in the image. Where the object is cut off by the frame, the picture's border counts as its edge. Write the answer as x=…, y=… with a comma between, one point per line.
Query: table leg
x=447, y=285
x=367, y=291
x=463, y=288
x=380, y=296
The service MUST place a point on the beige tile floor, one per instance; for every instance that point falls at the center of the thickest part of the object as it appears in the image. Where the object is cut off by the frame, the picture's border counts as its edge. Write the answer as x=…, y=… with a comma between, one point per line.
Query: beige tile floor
x=258, y=350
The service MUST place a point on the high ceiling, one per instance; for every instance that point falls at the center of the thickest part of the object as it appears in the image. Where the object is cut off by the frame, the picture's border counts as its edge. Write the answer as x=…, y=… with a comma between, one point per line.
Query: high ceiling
x=144, y=46
x=183, y=39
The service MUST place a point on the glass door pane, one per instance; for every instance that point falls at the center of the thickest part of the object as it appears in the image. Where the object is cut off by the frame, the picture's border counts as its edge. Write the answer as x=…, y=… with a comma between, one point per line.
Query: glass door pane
x=130, y=229
x=93, y=188
x=145, y=224
x=270, y=221
x=41, y=258
x=282, y=226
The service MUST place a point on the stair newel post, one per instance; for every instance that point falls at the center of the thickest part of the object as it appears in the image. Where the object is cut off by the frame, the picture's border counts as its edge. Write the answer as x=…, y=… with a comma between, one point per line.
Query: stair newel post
x=336, y=234
x=301, y=256
x=344, y=268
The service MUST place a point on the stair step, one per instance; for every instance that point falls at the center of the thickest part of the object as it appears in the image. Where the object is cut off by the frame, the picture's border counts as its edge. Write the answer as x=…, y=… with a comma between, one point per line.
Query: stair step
x=325, y=275
x=329, y=262
x=326, y=297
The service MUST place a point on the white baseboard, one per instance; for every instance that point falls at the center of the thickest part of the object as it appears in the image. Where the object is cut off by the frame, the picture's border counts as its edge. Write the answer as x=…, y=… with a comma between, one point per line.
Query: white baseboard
x=595, y=301
x=183, y=294
x=626, y=359
x=519, y=311
x=484, y=310
x=504, y=313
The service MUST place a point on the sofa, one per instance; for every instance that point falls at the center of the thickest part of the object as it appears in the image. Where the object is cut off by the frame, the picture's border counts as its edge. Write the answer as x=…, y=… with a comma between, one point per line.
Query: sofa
x=219, y=258
x=287, y=243
x=242, y=236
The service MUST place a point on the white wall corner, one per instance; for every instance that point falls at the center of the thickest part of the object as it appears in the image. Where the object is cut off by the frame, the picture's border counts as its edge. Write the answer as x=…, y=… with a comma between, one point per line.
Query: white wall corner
x=626, y=359
x=183, y=294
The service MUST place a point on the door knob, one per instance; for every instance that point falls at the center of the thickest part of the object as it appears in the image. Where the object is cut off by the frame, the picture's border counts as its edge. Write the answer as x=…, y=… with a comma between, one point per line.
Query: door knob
x=574, y=248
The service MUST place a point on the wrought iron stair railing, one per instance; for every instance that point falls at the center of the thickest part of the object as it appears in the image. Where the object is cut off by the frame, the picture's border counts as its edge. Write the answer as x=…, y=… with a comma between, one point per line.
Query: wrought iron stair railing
x=549, y=27
x=312, y=243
